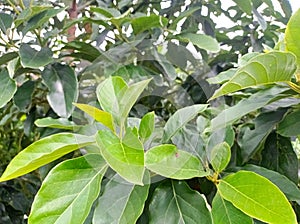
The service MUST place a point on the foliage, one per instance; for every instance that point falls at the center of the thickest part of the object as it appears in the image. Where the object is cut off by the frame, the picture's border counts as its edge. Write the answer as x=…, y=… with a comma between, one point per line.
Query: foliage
x=107, y=105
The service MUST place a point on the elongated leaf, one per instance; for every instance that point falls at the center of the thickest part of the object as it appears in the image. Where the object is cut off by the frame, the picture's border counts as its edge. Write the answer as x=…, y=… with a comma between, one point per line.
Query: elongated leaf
x=140, y=24
x=223, y=212
x=8, y=57
x=87, y=51
x=168, y=161
x=179, y=119
x=31, y=58
x=8, y=88
x=29, y=12
x=290, y=125
x=245, y=5
x=264, y=123
x=109, y=93
x=146, y=126
x=130, y=97
x=261, y=70
x=69, y=190
x=289, y=188
x=63, y=88
x=292, y=32
x=99, y=115
x=126, y=158
x=220, y=156
x=60, y=123
x=6, y=21
x=200, y=40
x=43, y=152
x=257, y=197
x=222, y=77
x=245, y=106
x=23, y=96
x=174, y=202
x=40, y=19
x=121, y=202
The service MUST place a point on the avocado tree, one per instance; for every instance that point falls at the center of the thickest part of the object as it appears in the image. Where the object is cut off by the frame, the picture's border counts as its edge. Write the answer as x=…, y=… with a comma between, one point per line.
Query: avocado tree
x=118, y=109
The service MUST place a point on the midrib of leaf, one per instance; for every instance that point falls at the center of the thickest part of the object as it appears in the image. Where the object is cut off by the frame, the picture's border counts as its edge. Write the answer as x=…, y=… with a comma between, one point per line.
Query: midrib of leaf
x=250, y=199
x=122, y=213
x=175, y=198
x=33, y=58
x=226, y=210
x=82, y=191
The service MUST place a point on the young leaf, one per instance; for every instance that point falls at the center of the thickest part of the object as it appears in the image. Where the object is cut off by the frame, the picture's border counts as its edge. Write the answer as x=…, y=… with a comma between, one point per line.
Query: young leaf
x=121, y=202
x=292, y=33
x=168, y=161
x=146, y=126
x=257, y=197
x=263, y=69
x=99, y=115
x=30, y=58
x=63, y=88
x=220, y=156
x=174, y=202
x=179, y=119
x=8, y=88
x=223, y=212
x=60, y=123
x=43, y=152
x=69, y=190
x=245, y=5
x=126, y=158
x=200, y=40
x=289, y=188
x=140, y=24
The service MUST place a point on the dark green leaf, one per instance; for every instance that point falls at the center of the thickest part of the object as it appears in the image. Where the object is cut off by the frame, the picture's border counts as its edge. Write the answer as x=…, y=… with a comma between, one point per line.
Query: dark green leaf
x=257, y=197
x=23, y=96
x=6, y=21
x=290, y=125
x=121, y=202
x=86, y=50
x=34, y=59
x=174, y=202
x=8, y=87
x=8, y=57
x=69, y=190
x=63, y=88
x=43, y=152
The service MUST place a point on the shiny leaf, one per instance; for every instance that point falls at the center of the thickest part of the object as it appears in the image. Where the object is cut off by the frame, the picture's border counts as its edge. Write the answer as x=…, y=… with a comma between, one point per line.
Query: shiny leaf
x=60, y=123
x=43, y=152
x=220, y=156
x=69, y=190
x=146, y=126
x=257, y=197
x=31, y=58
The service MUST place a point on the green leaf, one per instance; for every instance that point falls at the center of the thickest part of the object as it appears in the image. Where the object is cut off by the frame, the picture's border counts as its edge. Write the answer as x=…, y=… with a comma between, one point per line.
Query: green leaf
x=41, y=19
x=257, y=197
x=174, y=202
x=180, y=118
x=86, y=50
x=253, y=138
x=101, y=116
x=30, y=58
x=290, y=125
x=168, y=161
x=8, y=57
x=245, y=106
x=222, y=77
x=223, y=212
x=289, y=188
x=200, y=40
x=69, y=190
x=186, y=13
x=8, y=88
x=121, y=202
x=292, y=33
x=23, y=96
x=220, y=156
x=263, y=69
x=6, y=21
x=60, y=123
x=245, y=5
x=126, y=157
x=109, y=93
x=43, y=152
x=146, y=126
x=143, y=23
x=29, y=12
x=63, y=88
